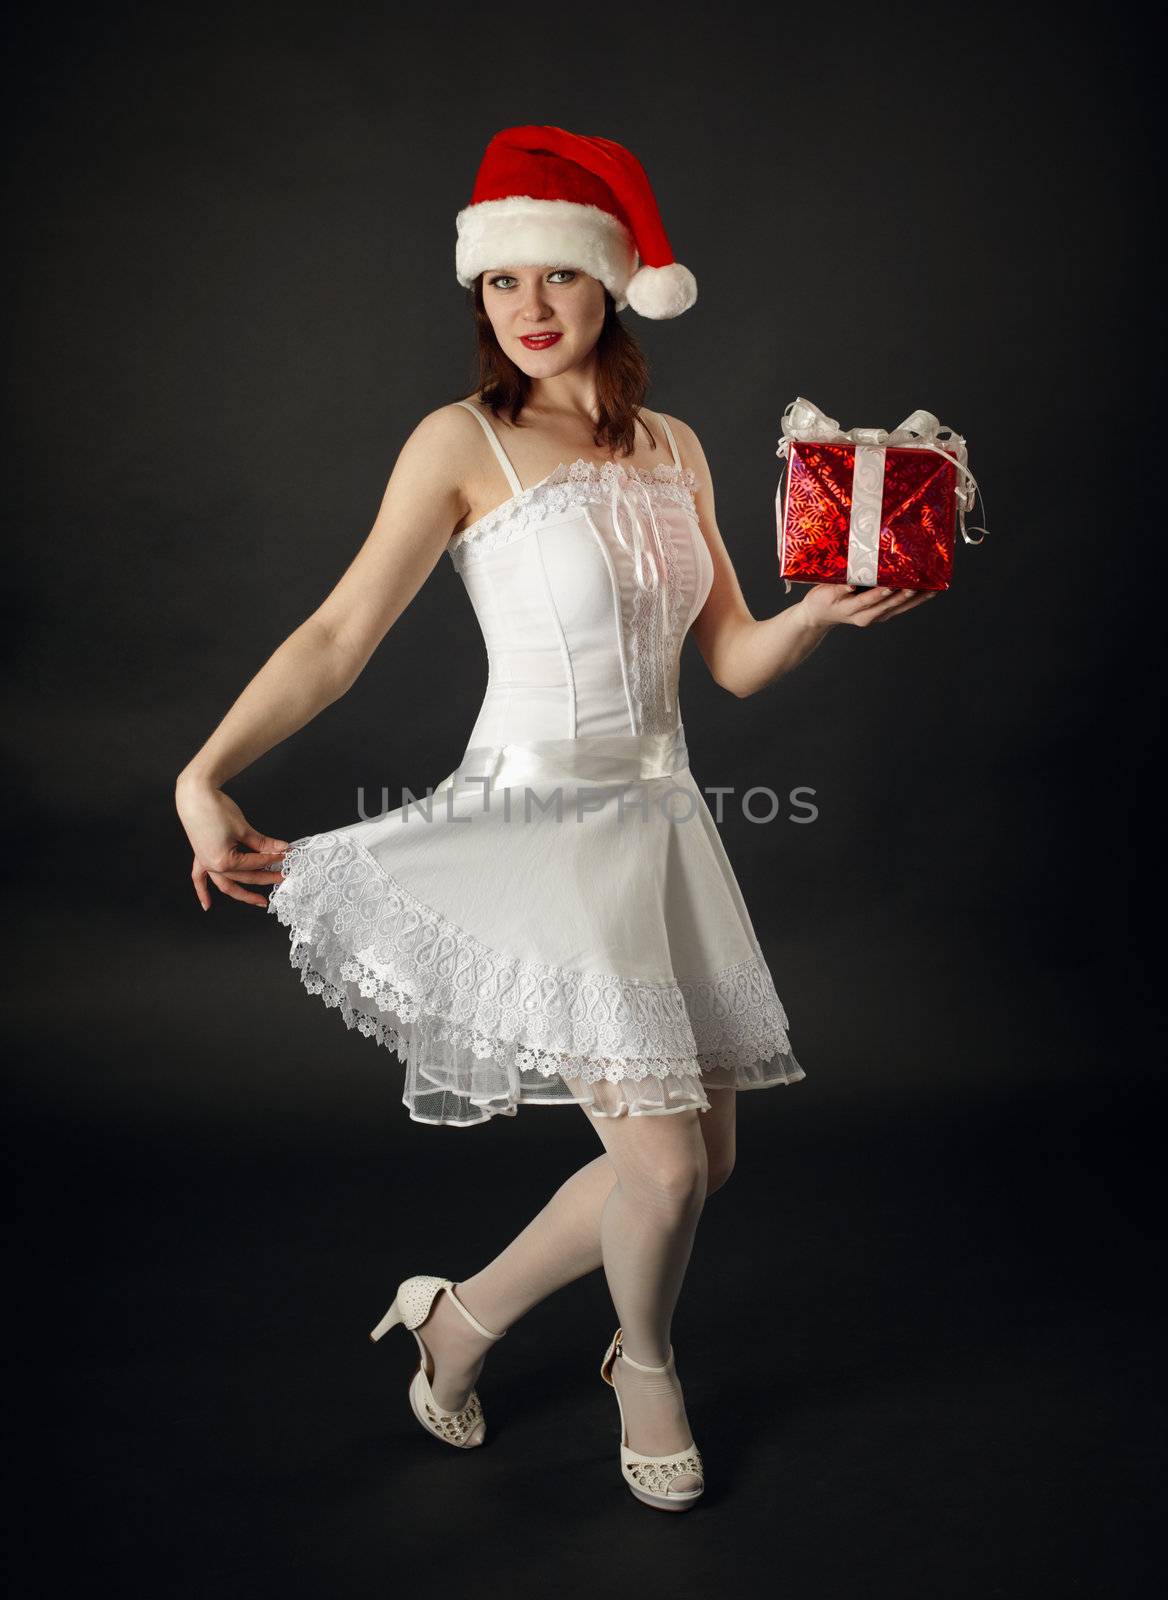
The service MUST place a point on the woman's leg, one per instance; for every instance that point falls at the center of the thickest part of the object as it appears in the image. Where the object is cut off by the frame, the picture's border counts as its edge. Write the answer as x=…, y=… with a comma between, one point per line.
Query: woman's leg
x=647, y=1231
x=560, y=1244
x=718, y=1126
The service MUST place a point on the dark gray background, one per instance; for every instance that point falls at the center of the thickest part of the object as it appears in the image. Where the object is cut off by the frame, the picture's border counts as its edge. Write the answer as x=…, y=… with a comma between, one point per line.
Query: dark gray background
x=914, y=1335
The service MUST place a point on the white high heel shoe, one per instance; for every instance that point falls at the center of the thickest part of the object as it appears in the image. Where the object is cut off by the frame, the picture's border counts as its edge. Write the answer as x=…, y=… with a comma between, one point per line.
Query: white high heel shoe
x=650, y=1477
x=411, y=1306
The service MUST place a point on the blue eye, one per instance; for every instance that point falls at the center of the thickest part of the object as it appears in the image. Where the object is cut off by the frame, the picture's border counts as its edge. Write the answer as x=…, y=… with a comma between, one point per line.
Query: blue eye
x=505, y=278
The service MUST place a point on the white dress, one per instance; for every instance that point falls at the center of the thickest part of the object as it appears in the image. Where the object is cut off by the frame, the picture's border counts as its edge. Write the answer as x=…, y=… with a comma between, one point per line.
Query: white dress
x=557, y=922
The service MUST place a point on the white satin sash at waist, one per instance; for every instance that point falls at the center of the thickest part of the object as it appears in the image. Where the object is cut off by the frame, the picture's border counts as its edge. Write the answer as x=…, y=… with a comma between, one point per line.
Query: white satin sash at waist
x=615, y=758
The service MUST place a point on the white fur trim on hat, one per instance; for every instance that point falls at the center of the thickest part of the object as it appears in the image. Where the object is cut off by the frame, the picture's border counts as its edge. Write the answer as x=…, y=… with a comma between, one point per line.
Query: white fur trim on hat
x=662, y=291
x=522, y=231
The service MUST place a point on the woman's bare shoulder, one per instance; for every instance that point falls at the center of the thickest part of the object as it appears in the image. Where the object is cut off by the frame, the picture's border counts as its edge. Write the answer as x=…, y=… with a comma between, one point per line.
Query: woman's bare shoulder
x=450, y=425
x=446, y=444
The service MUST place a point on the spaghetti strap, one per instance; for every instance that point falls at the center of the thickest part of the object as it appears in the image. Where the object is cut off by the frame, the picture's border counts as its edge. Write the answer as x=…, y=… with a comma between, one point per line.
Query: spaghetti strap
x=669, y=436
x=496, y=446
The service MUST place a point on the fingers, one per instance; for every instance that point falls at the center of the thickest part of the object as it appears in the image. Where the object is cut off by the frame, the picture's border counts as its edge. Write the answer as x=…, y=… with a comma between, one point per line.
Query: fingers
x=861, y=601
x=858, y=606
x=234, y=892
x=909, y=599
x=199, y=879
x=889, y=602
x=253, y=859
x=261, y=865
x=262, y=843
x=878, y=605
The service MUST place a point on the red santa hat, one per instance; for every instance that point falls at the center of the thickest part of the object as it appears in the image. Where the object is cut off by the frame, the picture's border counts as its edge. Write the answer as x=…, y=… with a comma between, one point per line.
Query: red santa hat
x=546, y=196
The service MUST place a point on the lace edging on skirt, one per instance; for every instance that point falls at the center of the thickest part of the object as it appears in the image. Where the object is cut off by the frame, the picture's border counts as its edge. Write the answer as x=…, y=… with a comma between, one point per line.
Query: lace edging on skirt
x=480, y=1033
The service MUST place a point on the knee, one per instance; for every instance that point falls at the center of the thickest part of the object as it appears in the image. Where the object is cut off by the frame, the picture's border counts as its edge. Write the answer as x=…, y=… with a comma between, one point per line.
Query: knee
x=679, y=1181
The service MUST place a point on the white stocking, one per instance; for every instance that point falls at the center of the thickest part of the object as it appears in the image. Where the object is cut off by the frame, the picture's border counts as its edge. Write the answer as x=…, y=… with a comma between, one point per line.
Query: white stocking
x=560, y=1244
x=647, y=1231
x=640, y=1228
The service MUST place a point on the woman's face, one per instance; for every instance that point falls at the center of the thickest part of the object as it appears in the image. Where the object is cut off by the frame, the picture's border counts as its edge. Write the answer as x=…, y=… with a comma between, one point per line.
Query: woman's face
x=528, y=305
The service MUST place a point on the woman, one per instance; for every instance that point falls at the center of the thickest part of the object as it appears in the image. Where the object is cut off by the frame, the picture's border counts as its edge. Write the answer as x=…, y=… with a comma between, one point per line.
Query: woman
x=603, y=958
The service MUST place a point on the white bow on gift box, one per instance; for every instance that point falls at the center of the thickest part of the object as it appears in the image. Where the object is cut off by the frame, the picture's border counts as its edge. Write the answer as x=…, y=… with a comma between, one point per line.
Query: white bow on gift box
x=805, y=422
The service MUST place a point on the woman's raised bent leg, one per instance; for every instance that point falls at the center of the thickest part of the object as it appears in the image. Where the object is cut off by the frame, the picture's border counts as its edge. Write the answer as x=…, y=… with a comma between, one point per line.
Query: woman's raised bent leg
x=560, y=1244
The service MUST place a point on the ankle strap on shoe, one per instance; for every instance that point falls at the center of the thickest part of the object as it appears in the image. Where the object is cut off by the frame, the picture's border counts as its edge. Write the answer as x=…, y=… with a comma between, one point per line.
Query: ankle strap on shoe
x=640, y=1365
x=471, y=1318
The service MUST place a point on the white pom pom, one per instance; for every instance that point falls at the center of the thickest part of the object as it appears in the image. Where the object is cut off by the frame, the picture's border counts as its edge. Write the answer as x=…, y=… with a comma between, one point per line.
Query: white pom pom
x=662, y=291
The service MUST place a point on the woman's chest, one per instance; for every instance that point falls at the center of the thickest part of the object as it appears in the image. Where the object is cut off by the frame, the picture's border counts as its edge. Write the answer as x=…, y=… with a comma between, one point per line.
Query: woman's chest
x=588, y=568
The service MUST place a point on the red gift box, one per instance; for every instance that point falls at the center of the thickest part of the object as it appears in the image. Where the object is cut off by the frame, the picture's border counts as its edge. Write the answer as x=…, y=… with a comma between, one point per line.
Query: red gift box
x=870, y=507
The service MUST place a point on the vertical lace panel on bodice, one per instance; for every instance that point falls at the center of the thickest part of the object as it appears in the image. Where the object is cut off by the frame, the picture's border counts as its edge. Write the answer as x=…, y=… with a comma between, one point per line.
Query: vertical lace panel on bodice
x=660, y=601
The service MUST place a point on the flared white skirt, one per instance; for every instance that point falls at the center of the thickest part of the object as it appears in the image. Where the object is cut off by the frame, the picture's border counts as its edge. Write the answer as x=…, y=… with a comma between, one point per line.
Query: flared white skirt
x=539, y=945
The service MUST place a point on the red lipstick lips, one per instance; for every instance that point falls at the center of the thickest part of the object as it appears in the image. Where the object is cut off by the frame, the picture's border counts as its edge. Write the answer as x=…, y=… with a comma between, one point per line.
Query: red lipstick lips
x=539, y=341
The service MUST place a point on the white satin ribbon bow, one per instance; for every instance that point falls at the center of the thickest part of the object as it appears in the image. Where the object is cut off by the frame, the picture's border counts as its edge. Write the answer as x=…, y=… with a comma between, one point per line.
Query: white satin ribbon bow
x=803, y=420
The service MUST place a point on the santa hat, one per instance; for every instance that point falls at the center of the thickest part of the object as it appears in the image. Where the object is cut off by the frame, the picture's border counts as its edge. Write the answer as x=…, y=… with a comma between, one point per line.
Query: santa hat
x=543, y=195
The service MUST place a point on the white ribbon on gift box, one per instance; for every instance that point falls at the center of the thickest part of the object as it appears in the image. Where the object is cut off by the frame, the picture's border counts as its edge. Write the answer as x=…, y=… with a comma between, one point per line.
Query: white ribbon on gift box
x=805, y=422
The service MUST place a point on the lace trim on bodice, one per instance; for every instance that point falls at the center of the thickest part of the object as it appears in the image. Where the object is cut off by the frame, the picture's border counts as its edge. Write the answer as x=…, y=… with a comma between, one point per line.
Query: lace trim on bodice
x=570, y=484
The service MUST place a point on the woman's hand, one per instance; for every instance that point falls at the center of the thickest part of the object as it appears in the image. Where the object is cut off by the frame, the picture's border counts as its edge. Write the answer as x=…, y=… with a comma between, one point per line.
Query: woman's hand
x=228, y=850
x=833, y=603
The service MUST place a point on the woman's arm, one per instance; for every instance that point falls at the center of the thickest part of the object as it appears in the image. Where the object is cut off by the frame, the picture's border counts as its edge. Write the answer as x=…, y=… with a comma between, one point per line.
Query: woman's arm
x=323, y=657
x=744, y=653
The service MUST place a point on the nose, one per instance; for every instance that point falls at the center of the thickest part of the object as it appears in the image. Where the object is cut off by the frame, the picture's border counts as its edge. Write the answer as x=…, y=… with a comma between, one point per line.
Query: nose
x=534, y=307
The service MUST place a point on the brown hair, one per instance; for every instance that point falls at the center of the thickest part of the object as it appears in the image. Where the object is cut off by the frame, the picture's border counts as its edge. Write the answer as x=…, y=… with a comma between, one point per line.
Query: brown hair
x=622, y=377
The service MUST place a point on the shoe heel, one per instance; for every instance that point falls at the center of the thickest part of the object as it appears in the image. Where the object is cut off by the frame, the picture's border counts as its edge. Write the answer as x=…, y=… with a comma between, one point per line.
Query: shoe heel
x=390, y=1320
x=415, y=1296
